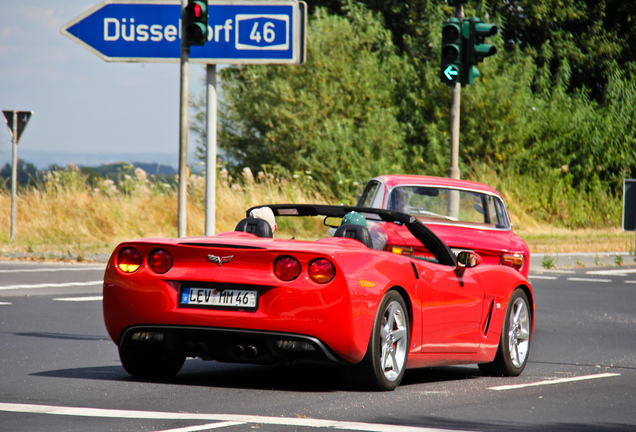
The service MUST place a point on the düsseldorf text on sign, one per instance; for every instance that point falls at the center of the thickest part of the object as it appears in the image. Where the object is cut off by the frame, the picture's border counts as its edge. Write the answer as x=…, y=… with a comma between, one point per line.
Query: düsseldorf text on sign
x=248, y=32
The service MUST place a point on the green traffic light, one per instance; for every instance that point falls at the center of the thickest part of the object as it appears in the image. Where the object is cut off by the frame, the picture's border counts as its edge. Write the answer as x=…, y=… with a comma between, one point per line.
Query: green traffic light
x=451, y=54
x=475, y=33
x=482, y=31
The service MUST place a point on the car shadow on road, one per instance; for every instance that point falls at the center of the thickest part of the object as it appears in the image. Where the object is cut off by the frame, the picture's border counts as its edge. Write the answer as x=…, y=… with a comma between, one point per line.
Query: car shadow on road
x=297, y=378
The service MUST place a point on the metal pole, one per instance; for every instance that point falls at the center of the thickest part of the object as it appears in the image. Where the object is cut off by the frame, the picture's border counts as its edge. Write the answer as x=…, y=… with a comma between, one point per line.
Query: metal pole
x=183, y=124
x=14, y=174
x=210, y=158
x=453, y=172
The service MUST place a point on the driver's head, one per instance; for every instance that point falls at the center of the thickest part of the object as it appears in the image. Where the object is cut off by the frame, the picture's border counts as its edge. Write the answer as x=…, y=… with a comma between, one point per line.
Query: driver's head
x=354, y=218
x=399, y=199
x=266, y=214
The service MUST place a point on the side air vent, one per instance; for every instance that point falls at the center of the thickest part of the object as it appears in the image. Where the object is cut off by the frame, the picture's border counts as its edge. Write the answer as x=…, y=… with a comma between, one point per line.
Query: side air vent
x=492, y=305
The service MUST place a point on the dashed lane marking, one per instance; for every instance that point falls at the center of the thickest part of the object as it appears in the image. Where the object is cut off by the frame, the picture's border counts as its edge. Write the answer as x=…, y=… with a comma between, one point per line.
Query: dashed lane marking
x=618, y=272
x=41, y=270
x=543, y=277
x=590, y=280
x=555, y=381
x=557, y=271
x=79, y=299
x=50, y=285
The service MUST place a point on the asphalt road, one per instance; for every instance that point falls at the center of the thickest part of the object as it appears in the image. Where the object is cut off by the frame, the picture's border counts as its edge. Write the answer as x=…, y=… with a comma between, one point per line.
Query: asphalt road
x=59, y=371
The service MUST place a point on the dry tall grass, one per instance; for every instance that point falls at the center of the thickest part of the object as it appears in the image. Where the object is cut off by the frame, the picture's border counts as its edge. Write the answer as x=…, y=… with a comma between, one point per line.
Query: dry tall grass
x=64, y=214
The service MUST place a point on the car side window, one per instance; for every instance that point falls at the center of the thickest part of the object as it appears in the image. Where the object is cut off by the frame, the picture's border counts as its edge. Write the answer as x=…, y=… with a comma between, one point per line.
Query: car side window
x=500, y=210
x=369, y=197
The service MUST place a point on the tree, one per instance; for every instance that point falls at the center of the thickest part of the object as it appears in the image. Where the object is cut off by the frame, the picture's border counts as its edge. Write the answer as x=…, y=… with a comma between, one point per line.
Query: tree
x=26, y=172
x=334, y=117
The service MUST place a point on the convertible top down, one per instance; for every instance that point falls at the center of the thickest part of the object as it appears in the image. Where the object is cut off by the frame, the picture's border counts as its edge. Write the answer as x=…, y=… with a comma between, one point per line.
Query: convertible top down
x=246, y=296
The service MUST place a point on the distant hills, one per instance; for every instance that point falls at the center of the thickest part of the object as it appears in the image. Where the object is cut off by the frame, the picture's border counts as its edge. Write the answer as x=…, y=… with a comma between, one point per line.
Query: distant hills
x=107, y=170
x=44, y=159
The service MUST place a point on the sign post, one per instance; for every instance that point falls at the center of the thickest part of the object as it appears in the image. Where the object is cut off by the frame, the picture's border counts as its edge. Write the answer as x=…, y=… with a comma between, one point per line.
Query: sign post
x=239, y=32
x=16, y=122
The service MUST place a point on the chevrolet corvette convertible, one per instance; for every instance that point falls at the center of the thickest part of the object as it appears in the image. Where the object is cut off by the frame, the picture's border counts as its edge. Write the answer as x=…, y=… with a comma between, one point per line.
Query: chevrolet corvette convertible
x=255, y=296
x=465, y=214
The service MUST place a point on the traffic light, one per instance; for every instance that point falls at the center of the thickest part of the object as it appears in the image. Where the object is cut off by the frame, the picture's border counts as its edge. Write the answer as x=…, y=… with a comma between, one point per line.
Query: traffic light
x=452, y=40
x=476, y=49
x=196, y=28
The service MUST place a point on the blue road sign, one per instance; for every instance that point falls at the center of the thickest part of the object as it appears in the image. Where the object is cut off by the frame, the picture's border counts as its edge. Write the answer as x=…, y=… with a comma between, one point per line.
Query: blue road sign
x=240, y=32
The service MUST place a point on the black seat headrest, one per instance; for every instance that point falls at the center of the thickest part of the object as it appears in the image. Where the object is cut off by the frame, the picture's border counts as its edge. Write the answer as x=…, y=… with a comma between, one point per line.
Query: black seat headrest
x=357, y=232
x=258, y=227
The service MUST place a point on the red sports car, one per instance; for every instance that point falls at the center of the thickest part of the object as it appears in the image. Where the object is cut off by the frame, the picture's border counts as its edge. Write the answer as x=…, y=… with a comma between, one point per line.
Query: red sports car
x=245, y=296
x=465, y=214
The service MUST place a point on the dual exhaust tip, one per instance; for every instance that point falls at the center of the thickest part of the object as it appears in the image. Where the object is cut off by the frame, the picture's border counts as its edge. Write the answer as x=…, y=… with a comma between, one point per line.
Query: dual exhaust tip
x=248, y=352
x=200, y=349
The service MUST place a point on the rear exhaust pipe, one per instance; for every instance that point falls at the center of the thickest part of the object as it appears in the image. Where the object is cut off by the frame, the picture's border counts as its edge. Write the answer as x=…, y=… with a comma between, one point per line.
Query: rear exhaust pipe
x=238, y=351
x=251, y=352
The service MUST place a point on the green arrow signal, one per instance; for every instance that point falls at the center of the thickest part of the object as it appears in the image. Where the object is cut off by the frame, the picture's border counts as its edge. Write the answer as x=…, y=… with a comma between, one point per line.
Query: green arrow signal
x=451, y=72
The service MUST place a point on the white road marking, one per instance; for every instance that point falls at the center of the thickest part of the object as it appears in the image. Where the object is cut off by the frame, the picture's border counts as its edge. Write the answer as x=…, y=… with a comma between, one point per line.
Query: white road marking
x=225, y=418
x=5, y=303
x=557, y=271
x=556, y=381
x=621, y=272
x=630, y=281
x=50, y=285
x=39, y=270
x=543, y=277
x=79, y=299
x=589, y=280
x=203, y=427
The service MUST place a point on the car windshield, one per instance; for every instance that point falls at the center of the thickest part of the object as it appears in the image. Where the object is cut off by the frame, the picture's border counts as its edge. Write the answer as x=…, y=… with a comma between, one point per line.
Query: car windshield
x=432, y=204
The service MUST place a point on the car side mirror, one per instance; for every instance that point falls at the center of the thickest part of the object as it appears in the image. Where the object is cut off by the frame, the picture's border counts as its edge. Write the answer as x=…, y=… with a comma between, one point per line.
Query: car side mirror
x=467, y=259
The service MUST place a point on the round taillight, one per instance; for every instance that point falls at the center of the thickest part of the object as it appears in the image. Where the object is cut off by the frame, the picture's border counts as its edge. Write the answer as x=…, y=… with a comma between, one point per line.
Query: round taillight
x=321, y=271
x=128, y=260
x=160, y=261
x=286, y=268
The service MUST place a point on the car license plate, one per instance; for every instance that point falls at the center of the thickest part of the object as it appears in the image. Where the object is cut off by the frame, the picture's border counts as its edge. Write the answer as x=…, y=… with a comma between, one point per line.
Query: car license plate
x=214, y=297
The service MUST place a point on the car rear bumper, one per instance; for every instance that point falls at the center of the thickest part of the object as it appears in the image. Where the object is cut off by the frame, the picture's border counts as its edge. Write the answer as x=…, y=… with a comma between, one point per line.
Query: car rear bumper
x=229, y=345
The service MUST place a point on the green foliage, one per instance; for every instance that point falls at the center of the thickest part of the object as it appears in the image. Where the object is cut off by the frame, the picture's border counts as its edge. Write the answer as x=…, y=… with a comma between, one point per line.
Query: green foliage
x=335, y=116
x=26, y=173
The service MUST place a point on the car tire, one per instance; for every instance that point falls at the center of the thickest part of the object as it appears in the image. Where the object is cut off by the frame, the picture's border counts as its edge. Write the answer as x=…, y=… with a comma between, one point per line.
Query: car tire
x=151, y=364
x=514, y=343
x=384, y=364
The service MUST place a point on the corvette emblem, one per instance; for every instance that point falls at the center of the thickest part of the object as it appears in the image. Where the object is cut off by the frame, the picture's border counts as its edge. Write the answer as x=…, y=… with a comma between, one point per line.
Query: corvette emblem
x=220, y=260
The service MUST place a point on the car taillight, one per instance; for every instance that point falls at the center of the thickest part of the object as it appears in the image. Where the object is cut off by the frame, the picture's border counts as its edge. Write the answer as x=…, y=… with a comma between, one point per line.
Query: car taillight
x=401, y=250
x=321, y=271
x=129, y=260
x=286, y=268
x=160, y=261
x=513, y=260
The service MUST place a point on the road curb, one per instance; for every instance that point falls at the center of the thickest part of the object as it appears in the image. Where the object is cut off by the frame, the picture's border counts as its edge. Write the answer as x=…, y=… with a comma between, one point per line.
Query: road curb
x=542, y=261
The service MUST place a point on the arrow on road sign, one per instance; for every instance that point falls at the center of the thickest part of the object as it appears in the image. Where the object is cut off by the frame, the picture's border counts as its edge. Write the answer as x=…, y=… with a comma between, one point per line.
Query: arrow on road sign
x=451, y=72
x=22, y=117
x=240, y=32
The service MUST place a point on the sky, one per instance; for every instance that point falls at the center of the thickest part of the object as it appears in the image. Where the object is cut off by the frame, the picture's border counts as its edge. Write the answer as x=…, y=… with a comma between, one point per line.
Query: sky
x=86, y=111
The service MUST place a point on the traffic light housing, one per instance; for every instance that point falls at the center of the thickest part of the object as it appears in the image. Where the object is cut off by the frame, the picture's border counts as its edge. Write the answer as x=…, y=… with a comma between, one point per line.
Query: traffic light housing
x=196, y=28
x=476, y=50
x=452, y=42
